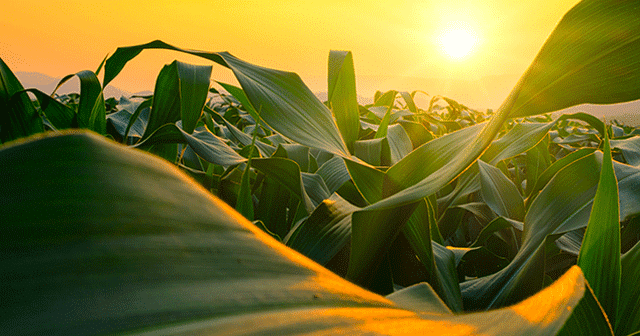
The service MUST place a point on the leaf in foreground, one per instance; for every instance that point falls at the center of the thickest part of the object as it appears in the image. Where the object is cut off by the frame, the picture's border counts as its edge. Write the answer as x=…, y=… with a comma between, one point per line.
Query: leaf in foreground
x=124, y=242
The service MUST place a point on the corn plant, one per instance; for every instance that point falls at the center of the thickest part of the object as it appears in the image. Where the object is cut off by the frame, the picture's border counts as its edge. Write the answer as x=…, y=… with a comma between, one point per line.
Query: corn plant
x=263, y=210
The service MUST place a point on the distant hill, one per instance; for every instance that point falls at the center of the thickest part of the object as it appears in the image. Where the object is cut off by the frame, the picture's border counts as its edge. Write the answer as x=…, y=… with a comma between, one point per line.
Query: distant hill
x=47, y=84
x=626, y=113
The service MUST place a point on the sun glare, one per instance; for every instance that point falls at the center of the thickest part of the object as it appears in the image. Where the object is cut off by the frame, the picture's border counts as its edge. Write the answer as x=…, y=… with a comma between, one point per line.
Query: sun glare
x=457, y=42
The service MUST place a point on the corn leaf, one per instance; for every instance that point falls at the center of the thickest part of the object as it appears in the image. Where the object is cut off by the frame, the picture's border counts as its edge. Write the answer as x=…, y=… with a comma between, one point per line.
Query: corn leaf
x=288, y=106
x=592, y=54
x=342, y=96
x=59, y=115
x=242, y=98
x=183, y=261
x=500, y=194
x=206, y=144
x=194, y=81
x=287, y=172
x=325, y=232
x=91, y=111
x=334, y=173
x=630, y=149
x=599, y=256
x=563, y=205
x=628, y=317
x=421, y=298
x=18, y=116
x=587, y=318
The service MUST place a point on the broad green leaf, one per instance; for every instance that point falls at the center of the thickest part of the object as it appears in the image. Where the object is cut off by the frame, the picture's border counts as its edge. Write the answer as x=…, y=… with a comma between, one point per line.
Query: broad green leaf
x=282, y=99
x=628, y=317
x=59, y=115
x=325, y=232
x=91, y=111
x=315, y=187
x=367, y=180
x=420, y=298
x=588, y=118
x=342, y=96
x=599, y=256
x=408, y=99
x=375, y=152
x=590, y=57
x=372, y=232
x=422, y=233
x=242, y=98
x=194, y=81
x=287, y=172
x=18, y=116
x=571, y=241
x=428, y=158
x=288, y=106
x=116, y=62
x=630, y=149
x=244, y=138
x=563, y=205
x=206, y=144
x=165, y=108
x=521, y=138
x=587, y=318
x=384, y=124
x=386, y=99
x=500, y=194
x=546, y=176
x=417, y=132
x=244, y=203
x=335, y=173
x=399, y=143
x=538, y=160
x=273, y=204
x=299, y=154
x=183, y=261
x=494, y=226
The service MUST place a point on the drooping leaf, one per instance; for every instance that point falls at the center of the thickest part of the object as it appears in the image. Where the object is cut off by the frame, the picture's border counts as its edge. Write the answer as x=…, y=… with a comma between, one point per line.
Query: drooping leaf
x=399, y=143
x=286, y=172
x=591, y=54
x=59, y=115
x=630, y=149
x=500, y=194
x=325, y=232
x=335, y=173
x=206, y=144
x=563, y=205
x=288, y=106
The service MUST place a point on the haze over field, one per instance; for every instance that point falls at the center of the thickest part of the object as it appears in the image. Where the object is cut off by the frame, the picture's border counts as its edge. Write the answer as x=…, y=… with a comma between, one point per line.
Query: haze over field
x=471, y=51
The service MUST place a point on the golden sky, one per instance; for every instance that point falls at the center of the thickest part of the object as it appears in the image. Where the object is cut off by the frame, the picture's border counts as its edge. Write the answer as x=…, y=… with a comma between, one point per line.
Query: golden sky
x=395, y=43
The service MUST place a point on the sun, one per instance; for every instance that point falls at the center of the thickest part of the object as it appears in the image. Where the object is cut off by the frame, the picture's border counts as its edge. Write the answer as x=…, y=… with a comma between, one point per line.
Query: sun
x=457, y=42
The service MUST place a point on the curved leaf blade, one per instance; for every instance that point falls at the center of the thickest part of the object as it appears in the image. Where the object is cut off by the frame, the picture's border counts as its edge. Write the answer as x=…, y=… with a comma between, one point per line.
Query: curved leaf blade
x=204, y=267
x=592, y=54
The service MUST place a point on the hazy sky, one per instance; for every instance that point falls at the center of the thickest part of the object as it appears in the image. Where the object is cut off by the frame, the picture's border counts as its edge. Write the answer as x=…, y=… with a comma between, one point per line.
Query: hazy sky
x=396, y=44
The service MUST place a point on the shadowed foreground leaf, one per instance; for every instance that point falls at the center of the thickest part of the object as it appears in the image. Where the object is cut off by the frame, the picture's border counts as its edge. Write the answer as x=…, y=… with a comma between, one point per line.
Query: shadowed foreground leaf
x=124, y=242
